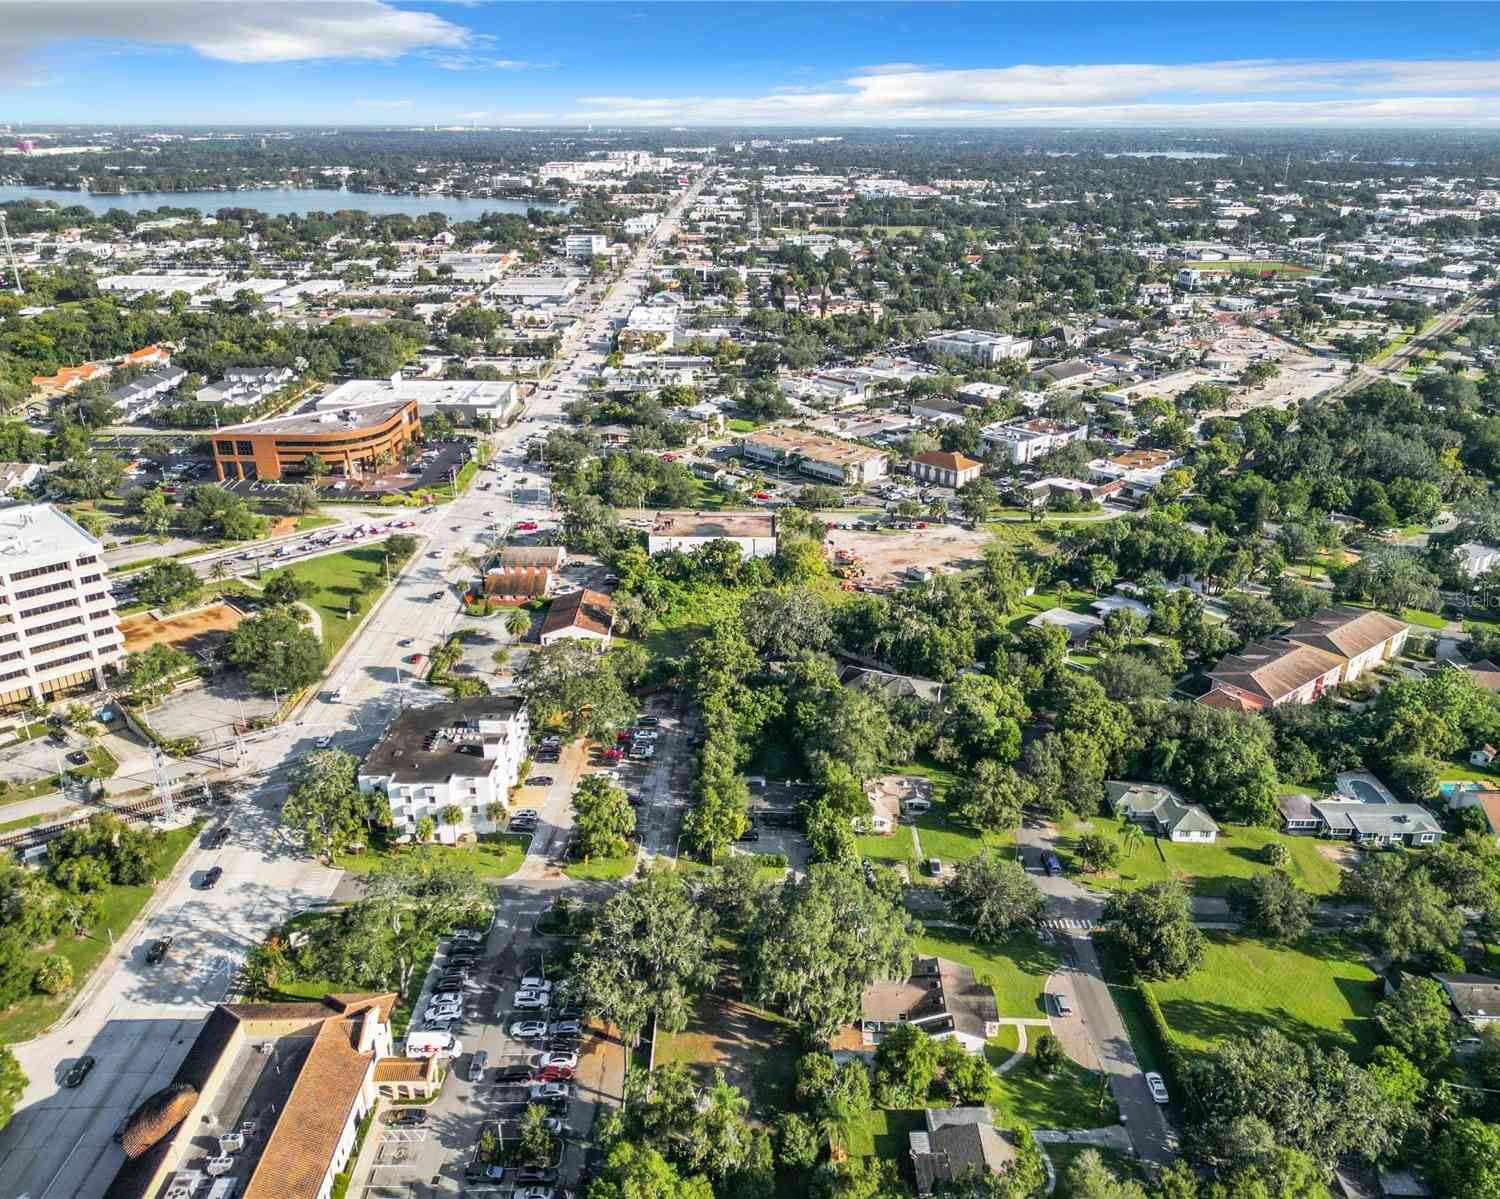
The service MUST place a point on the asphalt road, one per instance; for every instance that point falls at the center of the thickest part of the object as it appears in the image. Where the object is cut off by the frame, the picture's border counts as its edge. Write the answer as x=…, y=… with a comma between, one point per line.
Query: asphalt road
x=139, y=1021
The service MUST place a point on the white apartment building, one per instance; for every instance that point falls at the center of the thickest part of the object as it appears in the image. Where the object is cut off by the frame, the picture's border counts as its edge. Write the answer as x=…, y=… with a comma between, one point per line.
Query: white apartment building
x=1027, y=440
x=58, y=628
x=978, y=346
x=466, y=754
x=640, y=226
x=584, y=245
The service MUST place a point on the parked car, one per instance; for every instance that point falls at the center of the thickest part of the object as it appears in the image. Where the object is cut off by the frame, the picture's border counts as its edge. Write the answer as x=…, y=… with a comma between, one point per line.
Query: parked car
x=1061, y=1004
x=935, y=866
x=217, y=838
x=1158, y=1087
x=647, y=722
x=535, y=1176
x=552, y=1090
x=540, y=780
x=560, y=1028
x=750, y=834
x=534, y=1193
x=157, y=954
x=544, y=1060
x=477, y=1063
x=1051, y=863
x=78, y=758
x=531, y=1001
x=78, y=1071
x=212, y=876
x=407, y=1117
x=555, y=1074
x=479, y=1172
x=534, y=982
x=526, y=1030
x=516, y=1073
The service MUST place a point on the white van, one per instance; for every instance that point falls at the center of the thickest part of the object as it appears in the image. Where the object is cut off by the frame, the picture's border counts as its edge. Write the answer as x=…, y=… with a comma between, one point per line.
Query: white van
x=433, y=1044
x=337, y=696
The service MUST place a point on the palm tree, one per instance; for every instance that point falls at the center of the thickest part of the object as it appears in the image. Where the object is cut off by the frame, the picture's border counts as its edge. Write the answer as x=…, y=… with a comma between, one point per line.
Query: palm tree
x=219, y=569
x=518, y=623
x=1131, y=839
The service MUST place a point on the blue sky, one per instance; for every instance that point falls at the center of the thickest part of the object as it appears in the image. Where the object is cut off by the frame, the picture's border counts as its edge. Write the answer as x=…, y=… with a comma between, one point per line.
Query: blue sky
x=427, y=62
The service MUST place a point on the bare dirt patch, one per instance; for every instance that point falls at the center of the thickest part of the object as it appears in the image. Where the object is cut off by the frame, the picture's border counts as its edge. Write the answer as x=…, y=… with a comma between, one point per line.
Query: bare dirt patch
x=886, y=556
x=194, y=631
x=754, y=1049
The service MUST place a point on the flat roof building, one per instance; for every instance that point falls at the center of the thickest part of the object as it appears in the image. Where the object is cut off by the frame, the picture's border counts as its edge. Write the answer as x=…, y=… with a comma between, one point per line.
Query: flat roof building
x=466, y=754
x=350, y=441
x=827, y=458
x=978, y=346
x=1024, y=441
x=58, y=627
x=471, y=399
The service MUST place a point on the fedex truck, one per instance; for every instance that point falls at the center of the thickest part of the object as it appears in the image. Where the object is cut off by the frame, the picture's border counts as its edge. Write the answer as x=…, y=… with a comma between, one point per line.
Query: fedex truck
x=433, y=1044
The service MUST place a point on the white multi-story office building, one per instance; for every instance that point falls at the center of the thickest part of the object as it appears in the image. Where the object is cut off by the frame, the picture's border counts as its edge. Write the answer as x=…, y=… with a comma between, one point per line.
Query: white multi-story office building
x=585, y=245
x=1027, y=440
x=978, y=346
x=58, y=628
x=465, y=755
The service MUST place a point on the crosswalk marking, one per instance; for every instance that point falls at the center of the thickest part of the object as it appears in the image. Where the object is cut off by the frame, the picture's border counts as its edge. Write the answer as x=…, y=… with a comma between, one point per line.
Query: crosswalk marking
x=1060, y=922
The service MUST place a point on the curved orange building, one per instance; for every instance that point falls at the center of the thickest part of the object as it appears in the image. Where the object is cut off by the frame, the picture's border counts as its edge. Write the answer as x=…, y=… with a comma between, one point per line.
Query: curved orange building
x=350, y=441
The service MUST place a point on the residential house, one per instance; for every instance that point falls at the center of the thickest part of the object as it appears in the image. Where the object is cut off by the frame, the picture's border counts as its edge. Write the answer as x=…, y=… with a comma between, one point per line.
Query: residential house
x=945, y=469
x=1482, y=756
x=942, y=998
x=142, y=396
x=1360, y=822
x=1486, y=674
x=1475, y=997
x=1161, y=811
x=895, y=686
x=582, y=615
x=68, y=378
x=1475, y=559
x=956, y=1144
x=1079, y=626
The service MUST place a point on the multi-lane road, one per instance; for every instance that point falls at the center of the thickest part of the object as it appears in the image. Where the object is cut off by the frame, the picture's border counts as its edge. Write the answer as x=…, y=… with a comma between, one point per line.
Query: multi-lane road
x=137, y=1020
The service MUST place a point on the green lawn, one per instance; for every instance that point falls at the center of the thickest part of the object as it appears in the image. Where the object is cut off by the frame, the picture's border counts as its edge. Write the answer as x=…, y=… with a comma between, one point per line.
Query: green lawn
x=897, y=849
x=1210, y=869
x=495, y=856
x=35, y=1013
x=940, y=835
x=1462, y=772
x=1073, y=1098
x=885, y=1133
x=1004, y=1043
x=1259, y=266
x=338, y=578
x=1320, y=989
x=1015, y=970
x=314, y=520
x=602, y=870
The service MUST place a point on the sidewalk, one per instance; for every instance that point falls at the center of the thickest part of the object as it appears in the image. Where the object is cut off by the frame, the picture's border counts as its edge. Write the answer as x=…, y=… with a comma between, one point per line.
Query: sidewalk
x=600, y=1080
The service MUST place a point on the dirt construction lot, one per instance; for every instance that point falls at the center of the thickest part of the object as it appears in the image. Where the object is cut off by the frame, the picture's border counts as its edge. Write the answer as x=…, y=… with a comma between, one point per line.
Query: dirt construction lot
x=189, y=631
x=885, y=556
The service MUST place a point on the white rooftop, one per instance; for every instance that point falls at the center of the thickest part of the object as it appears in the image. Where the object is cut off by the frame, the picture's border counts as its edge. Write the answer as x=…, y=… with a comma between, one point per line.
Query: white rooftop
x=474, y=393
x=38, y=535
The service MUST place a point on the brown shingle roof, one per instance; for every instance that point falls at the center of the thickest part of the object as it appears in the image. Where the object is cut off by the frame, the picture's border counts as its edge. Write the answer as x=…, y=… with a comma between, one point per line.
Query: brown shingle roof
x=1230, y=702
x=518, y=581
x=1346, y=631
x=1274, y=669
x=552, y=556
x=590, y=610
x=404, y=1069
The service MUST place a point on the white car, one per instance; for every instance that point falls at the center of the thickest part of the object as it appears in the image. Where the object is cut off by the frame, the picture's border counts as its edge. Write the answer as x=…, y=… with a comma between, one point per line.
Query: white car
x=324, y=741
x=551, y=1090
x=534, y=1193
x=526, y=1030
x=531, y=1001
x=567, y=1060
x=533, y=983
x=1157, y=1086
x=645, y=735
x=447, y=1011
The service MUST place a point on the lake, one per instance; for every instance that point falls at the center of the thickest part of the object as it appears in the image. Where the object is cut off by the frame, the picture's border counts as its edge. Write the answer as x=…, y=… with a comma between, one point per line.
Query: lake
x=282, y=201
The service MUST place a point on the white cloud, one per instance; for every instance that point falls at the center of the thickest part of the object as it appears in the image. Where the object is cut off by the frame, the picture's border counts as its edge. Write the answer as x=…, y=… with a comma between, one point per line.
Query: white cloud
x=239, y=31
x=1205, y=94
x=480, y=62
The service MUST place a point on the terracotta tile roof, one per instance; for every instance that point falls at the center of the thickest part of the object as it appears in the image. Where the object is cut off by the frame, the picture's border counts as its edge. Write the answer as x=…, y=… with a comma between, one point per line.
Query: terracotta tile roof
x=592, y=611
x=1346, y=631
x=146, y=354
x=307, y=1133
x=69, y=377
x=947, y=461
x=1229, y=701
x=1274, y=669
x=405, y=1069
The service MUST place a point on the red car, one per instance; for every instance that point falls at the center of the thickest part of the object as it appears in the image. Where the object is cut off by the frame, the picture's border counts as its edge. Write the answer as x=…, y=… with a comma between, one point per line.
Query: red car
x=669, y=457
x=526, y=526
x=762, y=495
x=553, y=1074
x=612, y=755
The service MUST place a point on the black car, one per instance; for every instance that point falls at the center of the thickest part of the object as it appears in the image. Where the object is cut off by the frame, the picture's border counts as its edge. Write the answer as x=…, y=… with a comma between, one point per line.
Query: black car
x=78, y=758
x=482, y=1173
x=212, y=877
x=217, y=838
x=539, y=780
x=410, y=1117
x=520, y=1073
x=157, y=954
x=535, y=1176
x=750, y=834
x=78, y=1071
x=461, y=961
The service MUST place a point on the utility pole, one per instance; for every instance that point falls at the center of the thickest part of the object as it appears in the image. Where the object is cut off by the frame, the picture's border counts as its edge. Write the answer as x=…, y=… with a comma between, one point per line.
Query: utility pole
x=163, y=787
